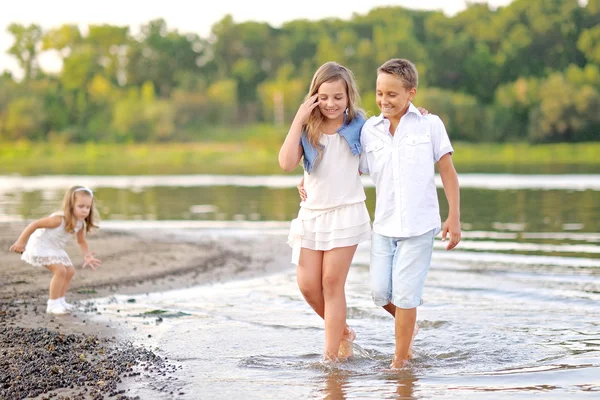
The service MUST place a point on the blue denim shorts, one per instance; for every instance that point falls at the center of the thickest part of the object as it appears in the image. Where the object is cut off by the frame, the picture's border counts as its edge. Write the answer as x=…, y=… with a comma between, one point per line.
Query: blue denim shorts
x=399, y=267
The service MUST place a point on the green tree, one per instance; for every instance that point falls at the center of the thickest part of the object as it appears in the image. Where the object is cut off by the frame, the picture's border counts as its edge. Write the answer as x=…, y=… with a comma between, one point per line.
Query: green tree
x=26, y=47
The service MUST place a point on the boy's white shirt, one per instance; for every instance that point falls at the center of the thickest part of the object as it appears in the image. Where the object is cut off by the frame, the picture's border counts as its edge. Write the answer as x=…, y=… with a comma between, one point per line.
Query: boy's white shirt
x=402, y=168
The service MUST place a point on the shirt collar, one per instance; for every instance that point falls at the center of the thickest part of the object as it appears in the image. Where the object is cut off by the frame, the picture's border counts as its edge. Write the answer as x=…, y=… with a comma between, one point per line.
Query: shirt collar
x=411, y=109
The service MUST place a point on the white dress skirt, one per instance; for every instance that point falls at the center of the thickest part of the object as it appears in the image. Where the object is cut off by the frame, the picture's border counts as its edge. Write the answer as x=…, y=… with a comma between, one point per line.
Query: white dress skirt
x=46, y=246
x=324, y=230
x=334, y=213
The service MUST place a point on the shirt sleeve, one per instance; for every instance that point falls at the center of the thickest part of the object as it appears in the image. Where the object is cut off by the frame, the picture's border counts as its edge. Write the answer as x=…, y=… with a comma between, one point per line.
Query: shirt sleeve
x=363, y=165
x=439, y=136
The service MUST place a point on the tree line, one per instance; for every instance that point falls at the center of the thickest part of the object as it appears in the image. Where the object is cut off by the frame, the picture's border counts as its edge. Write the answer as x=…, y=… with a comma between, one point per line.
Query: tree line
x=529, y=71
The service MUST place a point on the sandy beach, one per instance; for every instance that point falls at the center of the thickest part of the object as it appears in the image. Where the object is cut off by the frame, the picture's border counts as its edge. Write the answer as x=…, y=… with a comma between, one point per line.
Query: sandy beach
x=74, y=353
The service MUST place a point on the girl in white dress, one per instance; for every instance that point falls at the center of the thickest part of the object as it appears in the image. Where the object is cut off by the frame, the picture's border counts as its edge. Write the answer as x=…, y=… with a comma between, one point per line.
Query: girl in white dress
x=43, y=241
x=333, y=219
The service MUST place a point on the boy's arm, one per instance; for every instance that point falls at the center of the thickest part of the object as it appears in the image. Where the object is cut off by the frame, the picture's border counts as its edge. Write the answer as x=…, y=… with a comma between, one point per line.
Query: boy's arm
x=452, y=190
x=48, y=222
x=363, y=165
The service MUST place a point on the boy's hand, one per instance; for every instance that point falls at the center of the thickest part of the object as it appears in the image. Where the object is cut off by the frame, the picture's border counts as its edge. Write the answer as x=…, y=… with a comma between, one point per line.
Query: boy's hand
x=301, y=190
x=423, y=111
x=17, y=247
x=90, y=260
x=452, y=226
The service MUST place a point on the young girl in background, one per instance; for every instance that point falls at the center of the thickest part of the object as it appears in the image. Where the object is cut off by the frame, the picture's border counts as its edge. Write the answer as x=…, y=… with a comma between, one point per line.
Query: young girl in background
x=333, y=219
x=43, y=241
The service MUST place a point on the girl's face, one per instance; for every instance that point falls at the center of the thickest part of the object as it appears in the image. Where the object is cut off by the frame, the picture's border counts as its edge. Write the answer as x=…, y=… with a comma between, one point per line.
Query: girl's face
x=333, y=99
x=82, y=206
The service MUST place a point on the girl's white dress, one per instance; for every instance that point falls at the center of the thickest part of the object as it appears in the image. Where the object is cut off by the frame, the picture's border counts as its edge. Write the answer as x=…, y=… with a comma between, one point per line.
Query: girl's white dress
x=334, y=213
x=46, y=246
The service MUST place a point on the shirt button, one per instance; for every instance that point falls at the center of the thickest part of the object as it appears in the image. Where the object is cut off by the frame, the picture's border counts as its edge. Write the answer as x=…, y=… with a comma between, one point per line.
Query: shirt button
x=414, y=141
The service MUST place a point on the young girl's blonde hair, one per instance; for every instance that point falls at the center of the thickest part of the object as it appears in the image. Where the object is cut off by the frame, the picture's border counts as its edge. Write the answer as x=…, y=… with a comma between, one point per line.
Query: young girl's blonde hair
x=69, y=203
x=331, y=72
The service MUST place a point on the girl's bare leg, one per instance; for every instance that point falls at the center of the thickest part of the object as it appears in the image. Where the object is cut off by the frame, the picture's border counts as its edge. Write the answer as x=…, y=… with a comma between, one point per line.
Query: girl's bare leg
x=336, y=263
x=70, y=272
x=309, y=275
x=57, y=283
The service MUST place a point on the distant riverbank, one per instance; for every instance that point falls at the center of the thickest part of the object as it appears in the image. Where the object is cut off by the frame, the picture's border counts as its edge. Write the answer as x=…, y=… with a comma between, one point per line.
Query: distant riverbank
x=256, y=154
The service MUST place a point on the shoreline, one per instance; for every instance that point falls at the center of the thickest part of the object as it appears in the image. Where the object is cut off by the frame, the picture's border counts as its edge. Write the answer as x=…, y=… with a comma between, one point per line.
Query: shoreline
x=81, y=348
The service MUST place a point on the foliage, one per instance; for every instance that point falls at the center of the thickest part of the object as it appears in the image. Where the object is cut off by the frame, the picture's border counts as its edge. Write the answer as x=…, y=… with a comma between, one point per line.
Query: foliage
x=529, y=71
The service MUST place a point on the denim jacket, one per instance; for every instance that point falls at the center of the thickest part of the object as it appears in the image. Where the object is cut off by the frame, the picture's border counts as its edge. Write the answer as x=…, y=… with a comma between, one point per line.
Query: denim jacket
x=350, y=132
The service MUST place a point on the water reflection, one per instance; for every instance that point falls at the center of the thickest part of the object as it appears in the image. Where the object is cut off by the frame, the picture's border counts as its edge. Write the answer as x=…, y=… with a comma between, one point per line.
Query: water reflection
x=497, y=217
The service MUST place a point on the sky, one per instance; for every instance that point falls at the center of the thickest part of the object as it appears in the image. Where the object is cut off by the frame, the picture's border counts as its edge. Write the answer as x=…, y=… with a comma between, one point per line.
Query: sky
x=187, y=16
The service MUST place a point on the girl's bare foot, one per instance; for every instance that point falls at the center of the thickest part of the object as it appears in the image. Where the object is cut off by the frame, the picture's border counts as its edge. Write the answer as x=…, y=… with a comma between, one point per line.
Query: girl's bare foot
x=410, y=347
x=398, y=364
x=330, y=358
x=346, y=350
x=349, y=334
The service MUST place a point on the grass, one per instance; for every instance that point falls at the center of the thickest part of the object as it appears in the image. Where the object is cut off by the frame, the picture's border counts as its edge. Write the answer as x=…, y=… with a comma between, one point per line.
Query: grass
x=253, y=151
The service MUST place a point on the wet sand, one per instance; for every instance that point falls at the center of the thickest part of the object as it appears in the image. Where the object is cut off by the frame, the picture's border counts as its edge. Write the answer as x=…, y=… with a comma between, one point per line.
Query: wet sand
x=42, y=353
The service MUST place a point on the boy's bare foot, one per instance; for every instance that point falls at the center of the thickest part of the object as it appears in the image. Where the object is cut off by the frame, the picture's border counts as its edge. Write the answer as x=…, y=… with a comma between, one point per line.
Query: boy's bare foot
x=410, y=347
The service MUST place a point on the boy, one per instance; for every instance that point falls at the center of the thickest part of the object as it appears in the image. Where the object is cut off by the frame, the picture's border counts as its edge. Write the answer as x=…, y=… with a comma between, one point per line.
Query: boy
x=400, y=147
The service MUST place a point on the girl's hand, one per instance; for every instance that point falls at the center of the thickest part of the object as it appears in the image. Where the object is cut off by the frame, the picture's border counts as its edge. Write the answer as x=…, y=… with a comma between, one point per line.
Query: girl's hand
x=301, y=190
x=306, y=108
x=90, y=260
x=17, y=247
x=423, y=111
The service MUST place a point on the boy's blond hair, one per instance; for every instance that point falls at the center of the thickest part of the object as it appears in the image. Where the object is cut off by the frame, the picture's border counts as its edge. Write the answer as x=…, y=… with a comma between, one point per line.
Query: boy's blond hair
x=403, y=69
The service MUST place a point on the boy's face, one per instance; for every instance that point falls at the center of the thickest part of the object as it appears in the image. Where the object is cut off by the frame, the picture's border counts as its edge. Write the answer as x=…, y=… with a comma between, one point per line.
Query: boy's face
x=333, y=99
x=392, y=97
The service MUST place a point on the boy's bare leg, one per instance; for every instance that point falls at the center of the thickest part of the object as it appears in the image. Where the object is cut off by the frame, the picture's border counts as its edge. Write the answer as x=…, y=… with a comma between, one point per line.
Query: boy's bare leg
x=391, y=309
x=404, y=327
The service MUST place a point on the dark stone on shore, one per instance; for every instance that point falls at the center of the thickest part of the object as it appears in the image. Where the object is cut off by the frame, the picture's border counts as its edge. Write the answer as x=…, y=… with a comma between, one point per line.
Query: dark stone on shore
x=34, y=362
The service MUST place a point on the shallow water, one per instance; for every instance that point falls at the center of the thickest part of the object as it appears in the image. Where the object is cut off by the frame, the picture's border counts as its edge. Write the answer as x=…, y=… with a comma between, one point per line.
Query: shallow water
x=513, y=312
x=487, y=331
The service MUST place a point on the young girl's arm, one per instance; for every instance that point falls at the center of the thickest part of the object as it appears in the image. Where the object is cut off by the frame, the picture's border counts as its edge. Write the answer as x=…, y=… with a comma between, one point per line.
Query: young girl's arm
x=48, y=222
x=88, y=256
x=291, y=150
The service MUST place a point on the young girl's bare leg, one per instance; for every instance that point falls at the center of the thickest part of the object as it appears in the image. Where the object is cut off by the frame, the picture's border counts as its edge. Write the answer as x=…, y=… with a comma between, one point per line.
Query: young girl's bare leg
x=309, y=275
x=57, y=283
x=69, y=273
x=69, y=276
x=336, y=263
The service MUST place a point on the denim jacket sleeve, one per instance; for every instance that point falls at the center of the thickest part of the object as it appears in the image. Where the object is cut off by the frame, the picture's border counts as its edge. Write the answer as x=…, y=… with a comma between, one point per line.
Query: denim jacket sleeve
x=350, y=132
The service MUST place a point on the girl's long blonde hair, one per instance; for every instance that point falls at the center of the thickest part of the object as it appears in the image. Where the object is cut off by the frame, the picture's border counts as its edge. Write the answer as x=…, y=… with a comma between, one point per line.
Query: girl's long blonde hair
x=331, y=72
x=69, y=203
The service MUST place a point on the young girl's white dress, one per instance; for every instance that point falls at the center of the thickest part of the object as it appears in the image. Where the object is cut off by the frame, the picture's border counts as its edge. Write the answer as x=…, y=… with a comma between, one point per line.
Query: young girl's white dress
x=46, y=246
x=334, y=213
